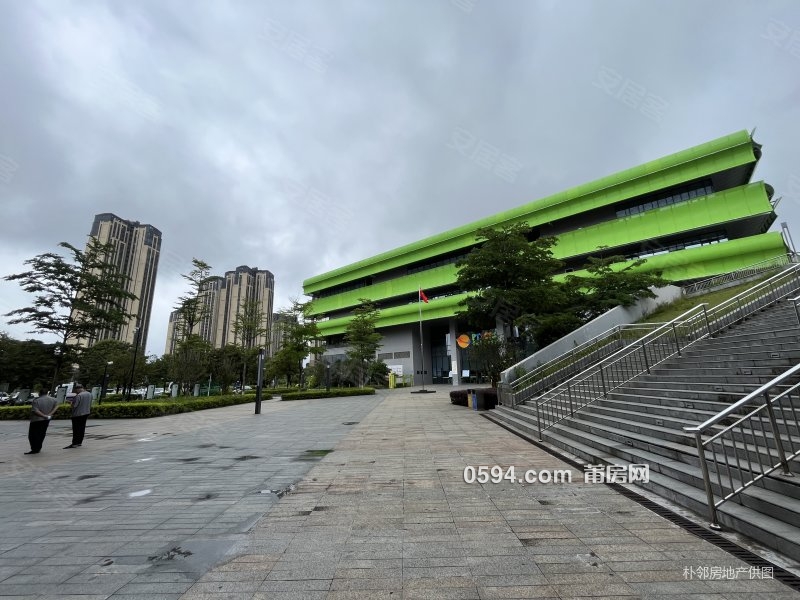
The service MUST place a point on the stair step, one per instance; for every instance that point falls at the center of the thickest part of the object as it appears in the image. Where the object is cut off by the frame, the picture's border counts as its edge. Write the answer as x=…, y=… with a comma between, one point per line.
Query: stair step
x=642, y=421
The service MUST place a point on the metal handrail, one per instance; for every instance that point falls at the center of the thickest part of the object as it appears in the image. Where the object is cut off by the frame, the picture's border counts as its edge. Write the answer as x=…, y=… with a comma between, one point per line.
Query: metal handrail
x=749, y=271
x=794, y=302
x=584, y=388
x=575, y=360
x=742, y=440
x=672, y=338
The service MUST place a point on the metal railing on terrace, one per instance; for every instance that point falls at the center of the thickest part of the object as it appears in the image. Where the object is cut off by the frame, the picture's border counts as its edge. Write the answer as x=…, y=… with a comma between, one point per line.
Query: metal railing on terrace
x=759, y=268
x=668, y=340
x=756, y=444
x=557, y=370
x=554, y=371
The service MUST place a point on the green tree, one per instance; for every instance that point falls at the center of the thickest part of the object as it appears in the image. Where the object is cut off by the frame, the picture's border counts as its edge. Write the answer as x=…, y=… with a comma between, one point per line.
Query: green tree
x=93, y=362
x=301, y=338
x=226, y=364
x=250, y=324
x=611, y=283
x=512, y=280
x=27, y=364
x=508, y=276
x=362, y=338
x=74, y=299
x=492, y=355
x=190, y=362
x=157, y=369
x=193, y=307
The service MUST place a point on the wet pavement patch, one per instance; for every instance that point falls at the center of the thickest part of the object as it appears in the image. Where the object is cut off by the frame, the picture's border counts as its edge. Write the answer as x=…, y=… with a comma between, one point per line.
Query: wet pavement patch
x=89, y=499
x=350, y=423
x=281, y=492
x=170, y=554
x=82, y=477
x=192, y=459
x=318, y=508
x=208, y=496
x=247, y=457
x=313, y=455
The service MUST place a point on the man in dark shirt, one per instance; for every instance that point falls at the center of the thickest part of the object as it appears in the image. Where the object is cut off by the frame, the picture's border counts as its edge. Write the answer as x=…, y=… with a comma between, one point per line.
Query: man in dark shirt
x=42, y=410
x=81, y=407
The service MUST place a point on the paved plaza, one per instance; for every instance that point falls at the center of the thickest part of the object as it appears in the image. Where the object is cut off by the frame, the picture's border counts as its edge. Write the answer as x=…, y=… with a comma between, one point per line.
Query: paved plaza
x=343, y=498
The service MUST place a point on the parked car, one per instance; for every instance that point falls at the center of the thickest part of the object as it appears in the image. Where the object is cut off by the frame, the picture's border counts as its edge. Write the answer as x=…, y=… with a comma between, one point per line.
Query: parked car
x=4, y=399
x=19, y=398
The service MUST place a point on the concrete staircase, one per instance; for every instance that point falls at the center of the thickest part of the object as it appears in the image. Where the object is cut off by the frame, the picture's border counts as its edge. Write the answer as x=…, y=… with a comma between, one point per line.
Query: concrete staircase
x=642, y=423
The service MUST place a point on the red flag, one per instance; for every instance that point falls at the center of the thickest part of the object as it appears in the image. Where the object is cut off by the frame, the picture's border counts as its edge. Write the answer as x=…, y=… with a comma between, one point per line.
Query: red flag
x=422, y=296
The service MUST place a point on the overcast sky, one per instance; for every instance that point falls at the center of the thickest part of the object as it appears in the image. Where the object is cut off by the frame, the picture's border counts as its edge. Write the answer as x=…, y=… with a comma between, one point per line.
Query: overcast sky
x=302, y=136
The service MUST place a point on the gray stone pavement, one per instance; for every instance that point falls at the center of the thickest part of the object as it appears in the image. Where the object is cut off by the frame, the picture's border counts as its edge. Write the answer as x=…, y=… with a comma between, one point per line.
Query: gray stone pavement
x=93, y=521
x=386, y=514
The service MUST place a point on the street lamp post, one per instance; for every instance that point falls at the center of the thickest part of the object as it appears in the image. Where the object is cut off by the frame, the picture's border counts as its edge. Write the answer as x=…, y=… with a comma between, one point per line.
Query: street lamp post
x=327, y=377
x=260, y=380
x=133, y=368
x=57, y=351
x=104, y=383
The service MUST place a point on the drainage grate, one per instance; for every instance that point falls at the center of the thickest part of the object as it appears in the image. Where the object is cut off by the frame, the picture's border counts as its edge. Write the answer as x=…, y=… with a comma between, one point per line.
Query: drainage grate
x=754, y=560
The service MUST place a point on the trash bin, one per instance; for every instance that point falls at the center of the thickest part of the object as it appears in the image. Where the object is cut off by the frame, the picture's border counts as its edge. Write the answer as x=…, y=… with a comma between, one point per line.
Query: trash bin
x=485, y=399
x=480, y=400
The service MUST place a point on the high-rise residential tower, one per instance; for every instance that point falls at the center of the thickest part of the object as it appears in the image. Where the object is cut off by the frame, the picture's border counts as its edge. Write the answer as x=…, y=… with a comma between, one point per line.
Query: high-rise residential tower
x=242, y=296
x=137, y=247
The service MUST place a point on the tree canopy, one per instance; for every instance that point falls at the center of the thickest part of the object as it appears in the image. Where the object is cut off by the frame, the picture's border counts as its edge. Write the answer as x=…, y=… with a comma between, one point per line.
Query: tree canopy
x=301, y=338
x=362, y=338
x=512, y=279
x=73, y=299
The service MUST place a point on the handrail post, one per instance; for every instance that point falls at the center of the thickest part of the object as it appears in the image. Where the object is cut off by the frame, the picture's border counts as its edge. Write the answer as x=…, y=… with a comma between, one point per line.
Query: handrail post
x=569, y=391
x=708, y=325
x=538, y=421
x=712, y=509
x=777, y=435
x=646, y=362
x=603, y=381
x=677, y=343
x=796, y=310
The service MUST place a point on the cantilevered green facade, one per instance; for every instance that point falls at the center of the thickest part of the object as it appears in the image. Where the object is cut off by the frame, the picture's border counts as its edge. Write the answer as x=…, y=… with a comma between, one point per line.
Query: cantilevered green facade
x=693, y=214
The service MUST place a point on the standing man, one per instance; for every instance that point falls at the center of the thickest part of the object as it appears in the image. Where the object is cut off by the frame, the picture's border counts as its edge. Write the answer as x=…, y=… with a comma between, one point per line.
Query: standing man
x=81, y=407
x=42, y=410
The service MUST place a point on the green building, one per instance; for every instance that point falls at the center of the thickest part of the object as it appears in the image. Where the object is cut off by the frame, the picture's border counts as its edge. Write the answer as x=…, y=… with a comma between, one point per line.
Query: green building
x=693, y=214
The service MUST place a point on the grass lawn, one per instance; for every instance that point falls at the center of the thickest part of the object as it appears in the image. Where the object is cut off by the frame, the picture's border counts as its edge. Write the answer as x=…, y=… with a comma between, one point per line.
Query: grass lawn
x=675, y=309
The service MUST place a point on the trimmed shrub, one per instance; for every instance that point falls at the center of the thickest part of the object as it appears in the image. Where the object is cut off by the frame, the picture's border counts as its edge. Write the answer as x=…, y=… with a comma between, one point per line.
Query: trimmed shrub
x=280, y=391
x=459, y=397
x=136, y=410
x=334, y=393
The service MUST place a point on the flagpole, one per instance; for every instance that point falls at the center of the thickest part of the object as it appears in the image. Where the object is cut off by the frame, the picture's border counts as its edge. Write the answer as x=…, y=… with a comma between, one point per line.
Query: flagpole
x=421, y=346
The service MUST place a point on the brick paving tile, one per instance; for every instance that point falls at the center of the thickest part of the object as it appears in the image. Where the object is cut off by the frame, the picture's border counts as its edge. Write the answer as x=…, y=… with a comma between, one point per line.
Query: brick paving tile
x=386, y=514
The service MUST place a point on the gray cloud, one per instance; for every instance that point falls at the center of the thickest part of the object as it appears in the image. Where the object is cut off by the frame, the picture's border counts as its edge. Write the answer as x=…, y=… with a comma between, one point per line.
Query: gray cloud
x=299, y=137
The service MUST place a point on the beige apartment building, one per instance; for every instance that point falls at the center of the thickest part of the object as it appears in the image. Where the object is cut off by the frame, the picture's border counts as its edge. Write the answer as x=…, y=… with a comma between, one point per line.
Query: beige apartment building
x=137, y=247
x=225, y=299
